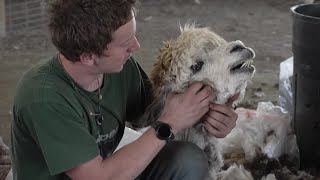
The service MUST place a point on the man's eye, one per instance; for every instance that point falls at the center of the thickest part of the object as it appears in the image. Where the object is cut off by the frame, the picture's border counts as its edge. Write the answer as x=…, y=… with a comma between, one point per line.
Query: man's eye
x=197, y=67
x=125, y=44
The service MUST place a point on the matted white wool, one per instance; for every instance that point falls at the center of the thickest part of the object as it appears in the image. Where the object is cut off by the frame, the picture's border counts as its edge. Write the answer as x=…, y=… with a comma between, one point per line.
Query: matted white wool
x=252, y=132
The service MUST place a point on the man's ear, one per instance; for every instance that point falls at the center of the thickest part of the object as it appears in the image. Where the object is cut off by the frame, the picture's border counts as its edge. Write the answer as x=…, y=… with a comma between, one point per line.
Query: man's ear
x=87, y=58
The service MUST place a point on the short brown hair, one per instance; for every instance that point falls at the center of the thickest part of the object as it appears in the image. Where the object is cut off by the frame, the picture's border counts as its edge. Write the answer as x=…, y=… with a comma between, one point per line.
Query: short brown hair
x=86, y=26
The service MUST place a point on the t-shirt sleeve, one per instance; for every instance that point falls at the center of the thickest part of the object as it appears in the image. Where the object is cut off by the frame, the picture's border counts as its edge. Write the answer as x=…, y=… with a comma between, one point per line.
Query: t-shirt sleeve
x=62, y=135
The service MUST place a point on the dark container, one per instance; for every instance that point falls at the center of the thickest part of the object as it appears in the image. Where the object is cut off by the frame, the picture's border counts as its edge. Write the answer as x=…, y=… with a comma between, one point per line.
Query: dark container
x=306, y=53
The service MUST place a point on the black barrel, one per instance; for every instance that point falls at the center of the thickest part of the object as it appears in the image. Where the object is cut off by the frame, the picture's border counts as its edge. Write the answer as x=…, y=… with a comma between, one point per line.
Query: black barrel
x=306, y=53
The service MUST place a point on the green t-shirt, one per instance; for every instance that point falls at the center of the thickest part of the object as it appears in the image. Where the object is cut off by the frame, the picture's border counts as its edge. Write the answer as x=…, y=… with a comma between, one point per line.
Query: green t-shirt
x=52, y=129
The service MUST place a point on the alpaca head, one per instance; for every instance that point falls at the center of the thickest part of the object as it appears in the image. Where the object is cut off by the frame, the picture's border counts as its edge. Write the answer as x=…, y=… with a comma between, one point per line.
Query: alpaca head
x=199, y=54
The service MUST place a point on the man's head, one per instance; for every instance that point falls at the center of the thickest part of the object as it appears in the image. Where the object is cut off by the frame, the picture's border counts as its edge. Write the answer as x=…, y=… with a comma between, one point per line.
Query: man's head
x=86, y=26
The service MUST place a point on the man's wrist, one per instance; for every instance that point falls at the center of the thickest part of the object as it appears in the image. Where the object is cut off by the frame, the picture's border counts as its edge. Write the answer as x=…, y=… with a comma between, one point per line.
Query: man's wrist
x=163, y=131
x=174, y=129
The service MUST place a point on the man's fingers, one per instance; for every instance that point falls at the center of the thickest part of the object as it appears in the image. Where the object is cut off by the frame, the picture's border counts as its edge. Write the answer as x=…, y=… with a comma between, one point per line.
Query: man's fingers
x=204, y=94
x=203, y=111
x=232, y=99
x=214, y=131
x=216, y=118
x=194, y=88
x=219, y=124
x=222, y=109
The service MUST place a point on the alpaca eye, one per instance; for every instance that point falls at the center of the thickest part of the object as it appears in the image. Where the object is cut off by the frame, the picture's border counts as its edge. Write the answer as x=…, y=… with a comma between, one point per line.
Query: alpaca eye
x=197, y=67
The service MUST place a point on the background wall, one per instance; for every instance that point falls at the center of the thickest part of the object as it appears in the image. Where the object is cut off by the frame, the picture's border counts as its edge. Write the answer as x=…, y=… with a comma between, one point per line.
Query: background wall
x=2, y=18
x=23, y=16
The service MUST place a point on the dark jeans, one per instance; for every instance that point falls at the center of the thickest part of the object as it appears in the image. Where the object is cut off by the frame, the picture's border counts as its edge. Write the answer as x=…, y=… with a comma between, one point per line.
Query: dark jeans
x=177, y=161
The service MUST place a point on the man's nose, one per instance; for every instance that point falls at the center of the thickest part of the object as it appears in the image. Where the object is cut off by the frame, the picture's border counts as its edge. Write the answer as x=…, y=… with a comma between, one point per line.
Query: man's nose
x=135, y=45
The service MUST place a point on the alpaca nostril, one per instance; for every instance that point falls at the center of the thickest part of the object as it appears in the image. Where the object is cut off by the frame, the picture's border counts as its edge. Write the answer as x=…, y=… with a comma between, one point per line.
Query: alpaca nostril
x=236, y=48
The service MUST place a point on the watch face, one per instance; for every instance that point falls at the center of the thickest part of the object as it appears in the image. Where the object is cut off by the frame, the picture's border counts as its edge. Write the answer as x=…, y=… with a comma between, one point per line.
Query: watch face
x=164, y=131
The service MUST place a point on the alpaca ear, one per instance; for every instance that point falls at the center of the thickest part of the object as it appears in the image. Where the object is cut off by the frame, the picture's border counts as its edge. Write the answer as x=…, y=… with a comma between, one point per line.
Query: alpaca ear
x=208, y=47
x=155, y=109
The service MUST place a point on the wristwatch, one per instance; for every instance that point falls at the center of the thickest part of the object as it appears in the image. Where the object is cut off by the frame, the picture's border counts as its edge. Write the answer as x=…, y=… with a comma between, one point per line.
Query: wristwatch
x=163, y=131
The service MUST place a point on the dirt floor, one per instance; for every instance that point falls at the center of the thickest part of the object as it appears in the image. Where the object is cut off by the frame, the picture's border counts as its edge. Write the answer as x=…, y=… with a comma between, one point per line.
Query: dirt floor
x=264, y=25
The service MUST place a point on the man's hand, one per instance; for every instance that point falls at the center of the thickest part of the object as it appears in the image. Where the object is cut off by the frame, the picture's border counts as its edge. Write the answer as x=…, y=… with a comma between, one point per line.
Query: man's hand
x=221, y=119
x=185, y=109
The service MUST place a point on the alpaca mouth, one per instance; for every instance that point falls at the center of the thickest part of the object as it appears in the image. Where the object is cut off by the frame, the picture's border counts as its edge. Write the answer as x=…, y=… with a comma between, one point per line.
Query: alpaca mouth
x=243, y=66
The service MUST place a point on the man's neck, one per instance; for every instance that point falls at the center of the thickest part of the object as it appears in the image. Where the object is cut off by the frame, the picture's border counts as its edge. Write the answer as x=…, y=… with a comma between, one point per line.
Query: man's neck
x=81, y=74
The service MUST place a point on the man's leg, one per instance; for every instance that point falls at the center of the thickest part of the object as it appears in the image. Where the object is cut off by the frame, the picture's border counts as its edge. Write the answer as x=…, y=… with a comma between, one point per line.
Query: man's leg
x=177, y=161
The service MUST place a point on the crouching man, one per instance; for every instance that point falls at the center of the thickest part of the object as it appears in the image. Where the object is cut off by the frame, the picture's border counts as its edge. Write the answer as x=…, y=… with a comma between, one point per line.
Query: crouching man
x=70, y=110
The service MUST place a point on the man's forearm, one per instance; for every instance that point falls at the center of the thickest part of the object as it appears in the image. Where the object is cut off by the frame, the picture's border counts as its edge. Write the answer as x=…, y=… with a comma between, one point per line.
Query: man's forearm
x=125, y=164
x=129, y=161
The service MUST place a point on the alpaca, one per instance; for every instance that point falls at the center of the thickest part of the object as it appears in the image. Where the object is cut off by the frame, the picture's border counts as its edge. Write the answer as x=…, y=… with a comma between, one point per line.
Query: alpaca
x=199, y=54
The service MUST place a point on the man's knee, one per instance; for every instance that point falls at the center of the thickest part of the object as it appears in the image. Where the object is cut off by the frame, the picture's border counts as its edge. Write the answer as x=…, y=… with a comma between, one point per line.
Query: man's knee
x=177, y=161
x=187, y=157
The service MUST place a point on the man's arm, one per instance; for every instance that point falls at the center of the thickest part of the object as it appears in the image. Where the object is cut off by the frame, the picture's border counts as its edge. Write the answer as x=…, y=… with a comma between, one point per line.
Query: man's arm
x=180, y=111
x=127, y=163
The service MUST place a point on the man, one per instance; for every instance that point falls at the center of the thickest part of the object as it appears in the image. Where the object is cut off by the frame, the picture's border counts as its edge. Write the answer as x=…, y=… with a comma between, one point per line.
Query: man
x=70, y=111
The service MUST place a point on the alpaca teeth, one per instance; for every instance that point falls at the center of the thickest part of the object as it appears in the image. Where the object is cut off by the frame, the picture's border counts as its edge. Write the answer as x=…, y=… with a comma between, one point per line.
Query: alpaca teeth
x=243, y=65
x=246, y=64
